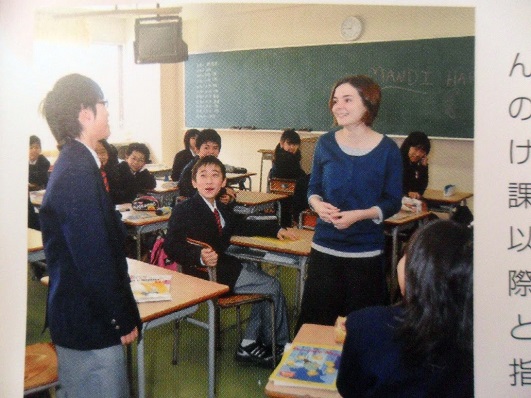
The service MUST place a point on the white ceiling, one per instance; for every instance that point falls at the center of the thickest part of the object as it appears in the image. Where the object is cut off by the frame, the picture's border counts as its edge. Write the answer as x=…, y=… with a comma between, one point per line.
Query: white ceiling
x=186, y=11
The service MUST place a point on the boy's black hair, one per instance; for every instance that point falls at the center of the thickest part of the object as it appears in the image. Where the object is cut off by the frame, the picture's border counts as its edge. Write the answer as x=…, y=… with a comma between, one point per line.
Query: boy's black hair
x=139, y=147
x=206, y=161
x=416, y=139
x=207, y=135
x=35, y=140
x=291, y=136
x=62, y=105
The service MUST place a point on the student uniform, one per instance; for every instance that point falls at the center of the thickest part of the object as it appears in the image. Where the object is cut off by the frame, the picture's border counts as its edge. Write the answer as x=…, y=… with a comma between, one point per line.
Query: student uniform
x=194, y=219
x=90, y=303
x=128, y=184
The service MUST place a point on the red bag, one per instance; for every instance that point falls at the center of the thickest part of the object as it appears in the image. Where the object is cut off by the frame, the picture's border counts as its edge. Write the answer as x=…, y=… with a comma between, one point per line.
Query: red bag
x=160, y=258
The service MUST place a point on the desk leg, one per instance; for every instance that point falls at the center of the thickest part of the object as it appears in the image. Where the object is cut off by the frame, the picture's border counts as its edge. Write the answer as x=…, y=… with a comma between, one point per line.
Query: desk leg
x=140, y=365
x=261, y=170
x=394, y=261
x=139, y=246
x=211, y=349
x=299, y=289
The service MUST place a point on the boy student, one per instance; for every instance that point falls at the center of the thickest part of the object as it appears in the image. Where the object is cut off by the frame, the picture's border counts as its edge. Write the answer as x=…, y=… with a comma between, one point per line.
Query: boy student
x=206, y=219
x=208, y=143
x=38, y=165
x=91, y=311
x=132, y=177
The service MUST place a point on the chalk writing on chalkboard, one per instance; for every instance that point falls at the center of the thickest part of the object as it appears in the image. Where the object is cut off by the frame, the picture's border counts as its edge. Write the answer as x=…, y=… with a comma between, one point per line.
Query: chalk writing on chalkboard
x=426, y=84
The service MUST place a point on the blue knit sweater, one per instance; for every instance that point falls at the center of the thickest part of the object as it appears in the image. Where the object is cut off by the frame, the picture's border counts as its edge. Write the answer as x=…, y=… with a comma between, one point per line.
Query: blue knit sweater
x=356, y=182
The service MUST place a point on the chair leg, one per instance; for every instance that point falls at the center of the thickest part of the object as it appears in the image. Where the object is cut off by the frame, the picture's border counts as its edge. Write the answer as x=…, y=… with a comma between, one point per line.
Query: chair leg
x=273, y=337
x=218, y=329
x=239, y=322
x=176, y=326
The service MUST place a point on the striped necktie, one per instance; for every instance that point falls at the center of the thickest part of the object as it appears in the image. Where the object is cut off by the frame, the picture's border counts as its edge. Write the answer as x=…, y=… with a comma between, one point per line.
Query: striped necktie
x=218, y=221
x=105, y=181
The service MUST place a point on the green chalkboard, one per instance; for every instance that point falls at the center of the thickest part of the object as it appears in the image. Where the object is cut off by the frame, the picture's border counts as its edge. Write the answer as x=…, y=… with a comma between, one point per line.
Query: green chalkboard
x=427, y=85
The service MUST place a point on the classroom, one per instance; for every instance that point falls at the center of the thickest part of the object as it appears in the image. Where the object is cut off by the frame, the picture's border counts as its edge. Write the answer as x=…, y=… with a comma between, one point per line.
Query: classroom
x=153, y=107
x=224, y=27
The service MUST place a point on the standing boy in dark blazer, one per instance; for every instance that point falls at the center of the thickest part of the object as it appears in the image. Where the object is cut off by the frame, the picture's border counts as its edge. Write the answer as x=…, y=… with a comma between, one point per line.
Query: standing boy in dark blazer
x=91, y=311
x=195, y=218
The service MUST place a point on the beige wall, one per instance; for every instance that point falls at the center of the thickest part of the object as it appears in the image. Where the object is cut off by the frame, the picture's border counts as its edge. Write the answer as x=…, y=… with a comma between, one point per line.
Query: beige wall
x=230, y=27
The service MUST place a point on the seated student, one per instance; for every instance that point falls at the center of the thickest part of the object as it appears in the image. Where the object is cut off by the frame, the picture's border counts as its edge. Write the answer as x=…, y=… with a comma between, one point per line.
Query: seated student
x=208, y=143
x=33, y=216
x=132, y=178
x=38, y=165
x=423, y=346
x=182, y=158
x=287, y=164
x=415, y=150
x=108, y=156
x=206, y=219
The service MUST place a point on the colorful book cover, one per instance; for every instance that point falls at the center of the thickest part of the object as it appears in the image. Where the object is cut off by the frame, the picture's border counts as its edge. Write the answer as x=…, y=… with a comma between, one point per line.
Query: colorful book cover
x=311, y=366
x=151, y=287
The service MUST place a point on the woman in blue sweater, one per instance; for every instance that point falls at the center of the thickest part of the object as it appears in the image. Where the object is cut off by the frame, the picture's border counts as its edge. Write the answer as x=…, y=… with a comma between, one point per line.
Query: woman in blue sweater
x=356, y=183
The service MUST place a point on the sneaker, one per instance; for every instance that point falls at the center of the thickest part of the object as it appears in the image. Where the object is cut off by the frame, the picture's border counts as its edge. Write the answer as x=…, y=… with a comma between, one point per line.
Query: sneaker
x=254, y=353
x=279, y=352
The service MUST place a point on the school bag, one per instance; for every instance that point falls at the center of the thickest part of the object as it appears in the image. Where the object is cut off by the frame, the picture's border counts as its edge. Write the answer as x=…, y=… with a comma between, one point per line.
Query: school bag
x=160, y=258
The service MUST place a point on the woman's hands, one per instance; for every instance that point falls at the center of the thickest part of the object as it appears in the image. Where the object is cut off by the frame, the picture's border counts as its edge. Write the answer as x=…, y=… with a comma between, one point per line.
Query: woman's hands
x=341, y=219
x=325, y=210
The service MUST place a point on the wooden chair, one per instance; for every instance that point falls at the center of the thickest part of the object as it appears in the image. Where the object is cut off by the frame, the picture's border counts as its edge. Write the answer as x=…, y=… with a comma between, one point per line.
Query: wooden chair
x=308, y=219
x=232, y=300
x=40, y=371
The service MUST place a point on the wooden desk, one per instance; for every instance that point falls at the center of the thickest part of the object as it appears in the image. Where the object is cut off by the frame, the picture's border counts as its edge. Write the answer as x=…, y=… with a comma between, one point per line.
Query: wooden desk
x=35, y=246
x=400, y=221
x=240, y=178
x=159, y=170
x=165, y=192
x=267, y=154
x=248, y=202
x=141, y=222
x=310, y=334
x=437, y=201
x=287, y=253
x=187, y=293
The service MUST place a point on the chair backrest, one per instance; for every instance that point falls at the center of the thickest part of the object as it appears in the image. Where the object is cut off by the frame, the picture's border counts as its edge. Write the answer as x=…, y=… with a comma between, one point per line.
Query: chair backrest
x=160, y=258
x=308, y=219
x=282, y=186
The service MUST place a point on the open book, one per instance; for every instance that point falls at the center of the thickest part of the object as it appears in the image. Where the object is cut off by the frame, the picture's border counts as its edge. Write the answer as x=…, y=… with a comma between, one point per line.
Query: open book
x=308, y=365
x=151, y=287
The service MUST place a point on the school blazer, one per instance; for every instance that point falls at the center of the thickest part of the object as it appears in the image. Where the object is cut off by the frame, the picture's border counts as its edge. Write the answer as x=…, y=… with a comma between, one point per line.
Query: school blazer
x=90, y=303
x=194, y=219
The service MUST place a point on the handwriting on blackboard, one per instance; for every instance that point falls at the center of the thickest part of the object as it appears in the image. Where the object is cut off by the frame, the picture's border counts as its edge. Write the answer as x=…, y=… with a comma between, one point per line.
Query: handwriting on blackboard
x=207, y=96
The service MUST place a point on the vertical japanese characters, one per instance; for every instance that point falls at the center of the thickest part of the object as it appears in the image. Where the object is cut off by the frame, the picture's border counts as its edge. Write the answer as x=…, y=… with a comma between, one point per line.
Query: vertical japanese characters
x=519, y=200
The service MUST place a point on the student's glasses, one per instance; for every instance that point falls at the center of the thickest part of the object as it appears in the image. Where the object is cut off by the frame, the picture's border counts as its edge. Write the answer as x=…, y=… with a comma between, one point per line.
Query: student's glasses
x=105, y=103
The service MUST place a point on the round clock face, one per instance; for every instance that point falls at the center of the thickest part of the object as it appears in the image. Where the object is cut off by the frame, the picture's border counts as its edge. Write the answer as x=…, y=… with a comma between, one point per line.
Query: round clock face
x=351, y=28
